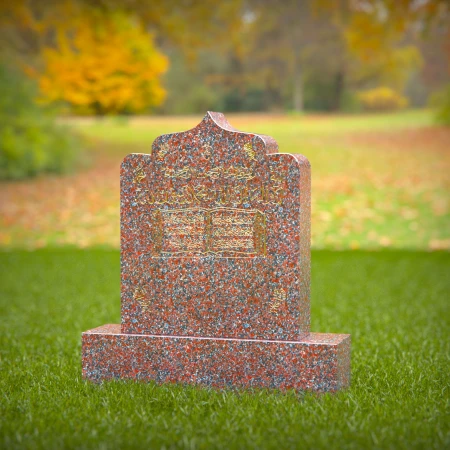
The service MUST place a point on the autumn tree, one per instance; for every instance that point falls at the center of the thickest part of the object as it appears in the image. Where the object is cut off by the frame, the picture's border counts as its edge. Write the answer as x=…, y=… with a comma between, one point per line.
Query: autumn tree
x=382, y=39
x=100, y=64
x=51, y=35
x=352, y=43
x=283, y=38
x=283, y=51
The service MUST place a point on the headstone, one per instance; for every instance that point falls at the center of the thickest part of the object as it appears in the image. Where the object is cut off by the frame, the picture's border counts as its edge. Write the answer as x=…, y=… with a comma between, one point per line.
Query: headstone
x=215, y=269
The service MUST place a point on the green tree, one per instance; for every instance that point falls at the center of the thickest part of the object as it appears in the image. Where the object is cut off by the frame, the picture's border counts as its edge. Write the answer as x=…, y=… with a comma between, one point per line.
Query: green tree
x=30, y=142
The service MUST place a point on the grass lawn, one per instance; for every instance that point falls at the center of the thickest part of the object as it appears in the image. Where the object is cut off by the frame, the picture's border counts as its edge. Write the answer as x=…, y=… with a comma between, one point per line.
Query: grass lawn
x=394, y=303
x=377, y=180
x=280, y=126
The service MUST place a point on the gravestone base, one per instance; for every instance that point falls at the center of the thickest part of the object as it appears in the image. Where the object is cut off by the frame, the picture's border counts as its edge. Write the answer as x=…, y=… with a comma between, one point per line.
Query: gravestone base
x=319, y=362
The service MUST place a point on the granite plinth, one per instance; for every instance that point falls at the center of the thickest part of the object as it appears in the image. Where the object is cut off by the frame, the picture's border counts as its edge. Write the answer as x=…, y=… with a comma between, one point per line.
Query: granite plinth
x=318, y=362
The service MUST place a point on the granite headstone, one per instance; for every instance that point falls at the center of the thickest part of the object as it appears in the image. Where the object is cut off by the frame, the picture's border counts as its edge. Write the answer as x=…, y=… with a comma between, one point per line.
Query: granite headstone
x=215, y=269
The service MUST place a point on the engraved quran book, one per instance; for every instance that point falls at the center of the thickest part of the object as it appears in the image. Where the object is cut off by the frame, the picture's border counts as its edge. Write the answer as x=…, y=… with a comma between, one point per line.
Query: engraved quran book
x=227, y=232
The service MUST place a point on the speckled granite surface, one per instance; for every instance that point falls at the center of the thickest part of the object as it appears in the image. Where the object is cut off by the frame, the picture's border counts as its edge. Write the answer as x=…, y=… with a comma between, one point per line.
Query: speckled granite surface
x=320, y=362
x=215, y=230
x=215, y=268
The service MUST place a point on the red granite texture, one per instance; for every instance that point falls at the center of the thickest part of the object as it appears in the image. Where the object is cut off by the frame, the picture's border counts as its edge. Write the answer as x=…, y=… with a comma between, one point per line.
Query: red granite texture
x=319, y=362
x=227, y=292
x=215, y=269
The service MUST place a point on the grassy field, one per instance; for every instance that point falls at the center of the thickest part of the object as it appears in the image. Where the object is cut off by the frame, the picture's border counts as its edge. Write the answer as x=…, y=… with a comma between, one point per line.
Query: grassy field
x=394, y=303
x=282, y=127
x=378, y=181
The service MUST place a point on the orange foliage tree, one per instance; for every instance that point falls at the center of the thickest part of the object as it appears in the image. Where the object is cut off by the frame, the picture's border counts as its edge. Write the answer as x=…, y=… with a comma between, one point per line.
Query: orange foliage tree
x=98, y=56
x=100, y=64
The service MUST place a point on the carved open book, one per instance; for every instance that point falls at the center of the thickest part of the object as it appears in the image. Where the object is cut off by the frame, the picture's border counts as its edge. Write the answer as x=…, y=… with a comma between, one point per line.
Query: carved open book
x=226, y=232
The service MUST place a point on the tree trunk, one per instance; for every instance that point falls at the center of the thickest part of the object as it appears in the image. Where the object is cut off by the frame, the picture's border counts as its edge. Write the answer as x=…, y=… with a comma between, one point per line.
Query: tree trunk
x=298, y=83
x=338, y=91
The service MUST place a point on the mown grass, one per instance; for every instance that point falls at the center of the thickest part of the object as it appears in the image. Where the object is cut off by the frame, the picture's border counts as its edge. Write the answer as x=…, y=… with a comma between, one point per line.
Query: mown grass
x=394, y=303
x=378, y=180
x=140, y=130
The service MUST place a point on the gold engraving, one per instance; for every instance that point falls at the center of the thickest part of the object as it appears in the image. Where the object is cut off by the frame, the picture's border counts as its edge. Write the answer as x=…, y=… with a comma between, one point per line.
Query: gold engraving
x=235, y=173
x=208, y=231
x=162, y=152
x=247, y=232
x=229, y=220
x=224, y=196
x=140, y=296
x=213, y=173
x=225, y=244
x=139, y=175
x=238, y=173
x=259, y=234
x=277, y=195
x=279, y=297
x=212, y=231
x=183, y=173
x=157, y=232
x=248, y=148
x=275, y=177
x=141, y=196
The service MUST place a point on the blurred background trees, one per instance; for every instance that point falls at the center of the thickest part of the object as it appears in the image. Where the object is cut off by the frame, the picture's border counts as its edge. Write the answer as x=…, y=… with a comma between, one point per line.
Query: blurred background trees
x=100, y=57
x=102, y=65
x=30, y=140
x=127, y=56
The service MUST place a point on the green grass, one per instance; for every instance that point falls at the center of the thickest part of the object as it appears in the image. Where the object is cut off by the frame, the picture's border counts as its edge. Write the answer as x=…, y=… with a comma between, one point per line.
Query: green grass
x=378, y=180
x=143, y=130
x=395, y=305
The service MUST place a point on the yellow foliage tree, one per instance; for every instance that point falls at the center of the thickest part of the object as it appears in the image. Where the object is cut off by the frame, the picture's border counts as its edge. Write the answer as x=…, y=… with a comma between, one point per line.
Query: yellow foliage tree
x=382, y=99
x=375, y=44
x=101, y=64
